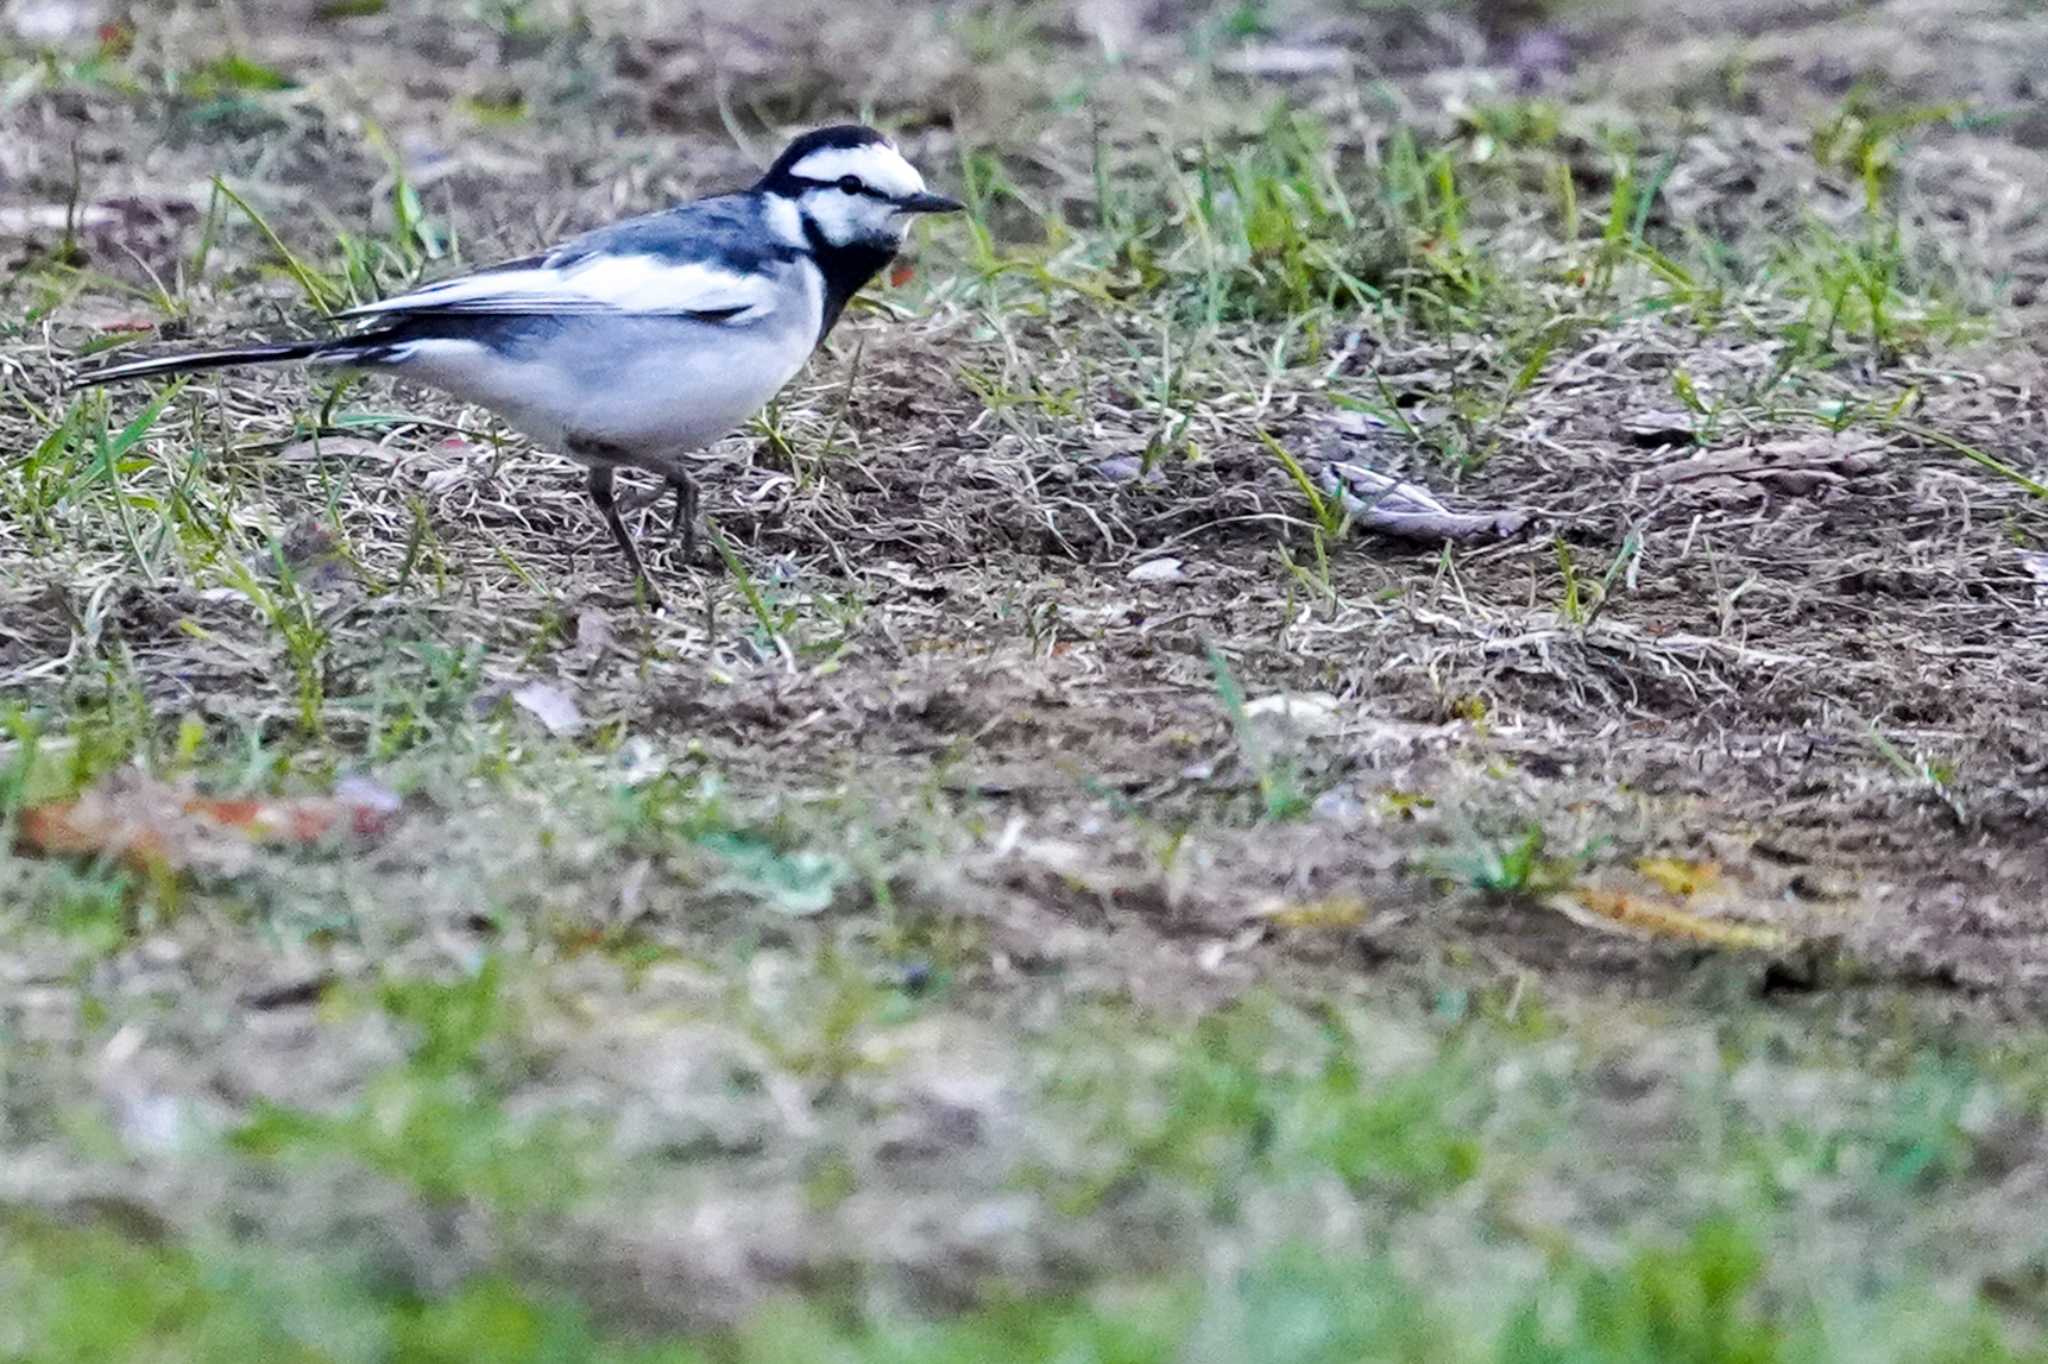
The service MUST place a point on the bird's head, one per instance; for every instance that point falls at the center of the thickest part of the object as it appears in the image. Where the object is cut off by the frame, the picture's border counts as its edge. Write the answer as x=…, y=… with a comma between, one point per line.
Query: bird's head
x=852, y=187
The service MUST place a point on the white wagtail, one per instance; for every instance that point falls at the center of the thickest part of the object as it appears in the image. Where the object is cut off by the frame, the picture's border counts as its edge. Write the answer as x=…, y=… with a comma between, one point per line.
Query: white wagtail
x=633, y=345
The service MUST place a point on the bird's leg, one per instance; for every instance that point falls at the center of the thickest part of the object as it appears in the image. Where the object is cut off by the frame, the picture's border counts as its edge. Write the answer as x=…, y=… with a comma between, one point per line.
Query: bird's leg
x=605, y=460
x=601, y=476
x=682, y=526
x=682, y=531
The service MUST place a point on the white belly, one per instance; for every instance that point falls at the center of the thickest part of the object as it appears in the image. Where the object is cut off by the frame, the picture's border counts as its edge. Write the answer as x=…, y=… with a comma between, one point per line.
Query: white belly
x=660, y=385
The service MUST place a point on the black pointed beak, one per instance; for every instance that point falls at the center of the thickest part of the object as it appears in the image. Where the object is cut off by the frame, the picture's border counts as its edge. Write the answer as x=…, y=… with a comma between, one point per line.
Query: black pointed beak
x=928, y=203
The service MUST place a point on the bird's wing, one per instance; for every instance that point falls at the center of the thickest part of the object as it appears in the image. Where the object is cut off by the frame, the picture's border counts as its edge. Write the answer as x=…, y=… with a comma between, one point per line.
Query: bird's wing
x=678, y=263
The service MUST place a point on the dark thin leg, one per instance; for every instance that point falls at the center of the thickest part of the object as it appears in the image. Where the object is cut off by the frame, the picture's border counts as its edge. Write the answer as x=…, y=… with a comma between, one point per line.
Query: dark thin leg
x=682, y=528
x=601, y=496
x=682, y=531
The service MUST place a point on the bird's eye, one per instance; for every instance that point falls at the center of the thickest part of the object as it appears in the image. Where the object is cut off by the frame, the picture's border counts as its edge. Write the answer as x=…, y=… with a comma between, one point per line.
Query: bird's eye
x=851, y=184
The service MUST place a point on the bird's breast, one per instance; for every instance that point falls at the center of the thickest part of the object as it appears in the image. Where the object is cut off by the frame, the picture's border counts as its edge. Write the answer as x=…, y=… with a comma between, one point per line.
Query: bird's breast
x=692, y=383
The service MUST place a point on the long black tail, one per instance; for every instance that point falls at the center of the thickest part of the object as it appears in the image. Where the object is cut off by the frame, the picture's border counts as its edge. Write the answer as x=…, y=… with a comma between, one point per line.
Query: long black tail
x=271, y=353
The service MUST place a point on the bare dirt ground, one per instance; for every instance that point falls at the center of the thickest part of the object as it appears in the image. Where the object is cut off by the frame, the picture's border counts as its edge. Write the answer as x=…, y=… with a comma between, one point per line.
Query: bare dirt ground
x=1052, y=862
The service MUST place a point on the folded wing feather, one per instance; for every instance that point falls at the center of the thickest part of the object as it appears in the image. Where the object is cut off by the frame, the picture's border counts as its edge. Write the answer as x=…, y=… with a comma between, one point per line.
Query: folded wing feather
x=593, y=283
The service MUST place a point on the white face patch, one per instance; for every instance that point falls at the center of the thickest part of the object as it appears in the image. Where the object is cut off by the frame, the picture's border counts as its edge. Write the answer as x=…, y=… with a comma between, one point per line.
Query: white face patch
x=845, y=219
x=877, y=165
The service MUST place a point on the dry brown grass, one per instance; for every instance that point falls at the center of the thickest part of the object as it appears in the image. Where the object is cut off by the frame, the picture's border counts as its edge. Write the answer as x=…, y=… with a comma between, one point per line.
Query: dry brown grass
x=1811, y=660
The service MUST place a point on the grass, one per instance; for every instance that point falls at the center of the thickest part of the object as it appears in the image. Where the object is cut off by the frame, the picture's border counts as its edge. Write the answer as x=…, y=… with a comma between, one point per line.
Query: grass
x=1684, y=1303
x=1261, y=1110
x=934, y=941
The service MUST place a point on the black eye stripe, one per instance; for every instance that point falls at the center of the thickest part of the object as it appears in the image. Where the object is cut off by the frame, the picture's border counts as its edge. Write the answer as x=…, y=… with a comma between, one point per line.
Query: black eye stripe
x=866, y=190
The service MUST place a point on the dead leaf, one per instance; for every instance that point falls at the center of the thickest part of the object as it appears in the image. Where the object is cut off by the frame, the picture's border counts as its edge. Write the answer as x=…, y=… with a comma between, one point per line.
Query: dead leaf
x=311, y=552
x=1799, y=467
x=553, y=707
x=375, y=802
x=1642, y=916
x=1284, y=62
x=152, y=826
x=1157, y=571
x=1336, y=913
x=336, y=447
x=1655, y=428
x=593, y=637
x=1409, y=511
x=1126, y=469
x=305, y=819
x=1355, y=424
x=1679, y=877
x=36, y=219
x=1307, y=713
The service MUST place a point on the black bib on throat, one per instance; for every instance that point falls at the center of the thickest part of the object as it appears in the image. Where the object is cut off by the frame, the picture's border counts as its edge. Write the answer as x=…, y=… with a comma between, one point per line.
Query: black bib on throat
x=844, y=268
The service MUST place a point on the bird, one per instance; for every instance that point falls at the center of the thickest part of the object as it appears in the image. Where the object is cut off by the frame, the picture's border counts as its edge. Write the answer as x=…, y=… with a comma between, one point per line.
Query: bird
x=633, y=345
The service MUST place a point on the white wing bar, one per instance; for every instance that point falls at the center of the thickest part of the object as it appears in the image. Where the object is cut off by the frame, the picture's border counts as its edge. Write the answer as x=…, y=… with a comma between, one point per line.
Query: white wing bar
x=593, y=284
